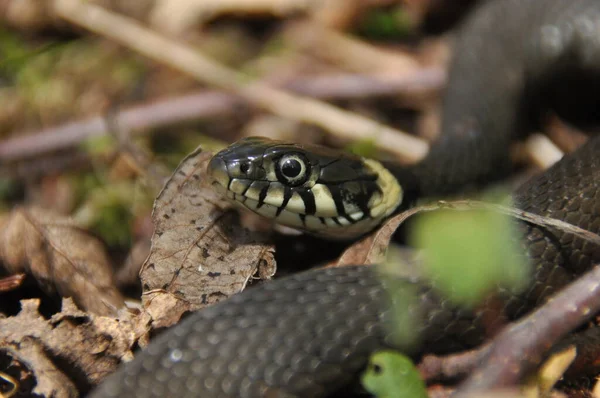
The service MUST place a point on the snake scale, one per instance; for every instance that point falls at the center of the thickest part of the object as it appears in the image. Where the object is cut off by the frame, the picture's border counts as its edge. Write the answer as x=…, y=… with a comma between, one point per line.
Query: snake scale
x=311, y=333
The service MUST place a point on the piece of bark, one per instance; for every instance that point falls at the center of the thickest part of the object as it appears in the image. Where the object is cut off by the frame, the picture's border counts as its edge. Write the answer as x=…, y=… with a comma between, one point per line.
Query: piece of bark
x=62, y=257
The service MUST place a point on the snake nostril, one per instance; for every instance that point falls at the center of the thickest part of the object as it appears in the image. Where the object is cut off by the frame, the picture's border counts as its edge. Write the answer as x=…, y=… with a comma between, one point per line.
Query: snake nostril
x=244, y=167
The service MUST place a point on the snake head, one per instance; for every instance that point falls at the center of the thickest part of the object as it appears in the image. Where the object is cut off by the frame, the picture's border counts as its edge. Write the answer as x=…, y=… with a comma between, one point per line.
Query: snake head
x=312, y=188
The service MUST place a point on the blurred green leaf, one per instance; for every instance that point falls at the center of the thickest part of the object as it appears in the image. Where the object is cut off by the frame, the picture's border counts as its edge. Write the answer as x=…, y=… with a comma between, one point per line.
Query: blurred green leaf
x=468, y=254
x=390, y=374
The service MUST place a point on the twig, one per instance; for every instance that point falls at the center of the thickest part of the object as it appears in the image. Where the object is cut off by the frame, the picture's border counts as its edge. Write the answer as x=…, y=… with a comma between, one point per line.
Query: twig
x=343, y=123
x=137, y=118
x=454, y=366
x=213, y=104
x=347, y=86
x=521, y=347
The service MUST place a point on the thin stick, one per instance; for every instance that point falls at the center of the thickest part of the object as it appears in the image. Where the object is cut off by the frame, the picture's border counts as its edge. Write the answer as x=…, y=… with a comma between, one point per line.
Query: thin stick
x=194, y=106
x=343, y=123
x=522, y=346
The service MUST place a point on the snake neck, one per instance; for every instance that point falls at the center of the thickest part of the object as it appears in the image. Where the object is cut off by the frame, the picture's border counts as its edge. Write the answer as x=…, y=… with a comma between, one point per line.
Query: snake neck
x=450, y=169
x=408, y=181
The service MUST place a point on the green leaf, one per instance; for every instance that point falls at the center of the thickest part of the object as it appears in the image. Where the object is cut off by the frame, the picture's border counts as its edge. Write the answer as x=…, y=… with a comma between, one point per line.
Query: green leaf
x=390, y=374
x=469, y=254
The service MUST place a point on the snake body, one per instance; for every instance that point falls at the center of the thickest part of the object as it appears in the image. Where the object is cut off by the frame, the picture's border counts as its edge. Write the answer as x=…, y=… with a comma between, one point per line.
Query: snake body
x=311, y=333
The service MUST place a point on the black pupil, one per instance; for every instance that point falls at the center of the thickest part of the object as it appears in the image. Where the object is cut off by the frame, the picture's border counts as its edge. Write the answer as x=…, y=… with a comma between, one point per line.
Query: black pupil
x=244, y=167
x=291, y=168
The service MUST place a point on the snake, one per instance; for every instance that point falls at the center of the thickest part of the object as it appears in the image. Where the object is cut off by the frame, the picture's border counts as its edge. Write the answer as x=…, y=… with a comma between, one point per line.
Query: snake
x=310, y=334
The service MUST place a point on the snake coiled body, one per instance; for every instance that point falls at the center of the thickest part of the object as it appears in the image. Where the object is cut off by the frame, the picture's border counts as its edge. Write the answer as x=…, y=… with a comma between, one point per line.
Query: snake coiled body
x=309, y=334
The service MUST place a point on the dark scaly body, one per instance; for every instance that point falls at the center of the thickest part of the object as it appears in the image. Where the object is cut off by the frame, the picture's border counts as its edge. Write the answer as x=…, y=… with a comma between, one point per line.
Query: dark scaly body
x=307, y=334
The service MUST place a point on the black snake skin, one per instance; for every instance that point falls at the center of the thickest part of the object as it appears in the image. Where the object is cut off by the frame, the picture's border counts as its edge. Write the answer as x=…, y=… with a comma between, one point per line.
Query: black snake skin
x=309, y=334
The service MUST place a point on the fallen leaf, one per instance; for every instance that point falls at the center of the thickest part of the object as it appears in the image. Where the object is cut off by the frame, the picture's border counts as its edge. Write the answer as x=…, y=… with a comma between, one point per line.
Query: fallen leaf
x=61, y=257
x=200, y=254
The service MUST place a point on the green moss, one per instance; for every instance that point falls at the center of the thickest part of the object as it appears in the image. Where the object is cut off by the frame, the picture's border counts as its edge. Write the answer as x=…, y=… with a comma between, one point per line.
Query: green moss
x=53, y=82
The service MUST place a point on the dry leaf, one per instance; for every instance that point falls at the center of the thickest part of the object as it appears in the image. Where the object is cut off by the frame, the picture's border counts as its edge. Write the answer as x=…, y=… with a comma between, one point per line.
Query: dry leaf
x=200, y=254
x=72, y=345
x=62, y=257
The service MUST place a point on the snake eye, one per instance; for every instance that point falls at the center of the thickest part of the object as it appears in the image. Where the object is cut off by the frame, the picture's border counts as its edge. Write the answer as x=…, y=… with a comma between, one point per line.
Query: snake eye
x=292, y=170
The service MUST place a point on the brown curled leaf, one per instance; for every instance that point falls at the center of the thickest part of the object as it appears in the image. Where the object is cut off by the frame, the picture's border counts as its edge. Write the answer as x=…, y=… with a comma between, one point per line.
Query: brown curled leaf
x=200, y=254
x=72, y=346
x=372, y=248
x=62, y=257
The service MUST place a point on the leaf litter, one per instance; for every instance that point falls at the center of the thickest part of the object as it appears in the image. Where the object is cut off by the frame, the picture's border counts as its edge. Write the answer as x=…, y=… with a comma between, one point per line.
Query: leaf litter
x=62, y=258
x=200, y=255
x=58, y=351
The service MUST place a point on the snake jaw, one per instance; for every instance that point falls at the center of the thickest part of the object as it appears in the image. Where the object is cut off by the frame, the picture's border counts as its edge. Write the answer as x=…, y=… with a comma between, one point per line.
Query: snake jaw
x=322, y=191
